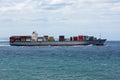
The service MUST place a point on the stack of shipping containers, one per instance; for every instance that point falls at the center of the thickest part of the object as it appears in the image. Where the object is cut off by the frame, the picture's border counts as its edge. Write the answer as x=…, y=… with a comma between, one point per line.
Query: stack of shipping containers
x=91, y=38
x=45, y=38
x=28, y=38
x=75, y=38
x=22, y=38
x=80, y=38
x=40, y=39
x=51, y=38
x=12, y=39
x=61, y=38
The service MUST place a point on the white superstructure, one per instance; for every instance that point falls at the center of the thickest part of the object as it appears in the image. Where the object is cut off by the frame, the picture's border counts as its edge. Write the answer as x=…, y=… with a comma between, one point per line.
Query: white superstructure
x=34, y=36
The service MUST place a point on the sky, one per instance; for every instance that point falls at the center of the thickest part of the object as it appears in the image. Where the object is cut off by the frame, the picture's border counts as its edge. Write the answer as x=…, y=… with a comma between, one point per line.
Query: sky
x=60, y=17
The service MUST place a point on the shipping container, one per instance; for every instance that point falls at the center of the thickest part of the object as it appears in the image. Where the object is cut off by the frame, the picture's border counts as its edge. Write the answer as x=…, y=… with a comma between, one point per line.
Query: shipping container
x=51, y=38
x=23, y=39
x=80, y=38
x=16, y=38
x=12, y=39
x=40, y=39
x=61, y=38
x=75, y=38
x=28, y=38
x=91, y=38
x=45, y=38
x=86, y=38
x=71, y=39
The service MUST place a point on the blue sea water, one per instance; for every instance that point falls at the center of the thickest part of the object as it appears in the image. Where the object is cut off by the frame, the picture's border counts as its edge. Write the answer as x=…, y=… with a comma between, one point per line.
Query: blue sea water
x=60, y=63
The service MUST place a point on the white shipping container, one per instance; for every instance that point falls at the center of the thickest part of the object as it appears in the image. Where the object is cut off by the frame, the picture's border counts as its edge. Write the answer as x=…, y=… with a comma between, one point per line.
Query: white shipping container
x=28, y=39
x=40, y=39
x=45, y=39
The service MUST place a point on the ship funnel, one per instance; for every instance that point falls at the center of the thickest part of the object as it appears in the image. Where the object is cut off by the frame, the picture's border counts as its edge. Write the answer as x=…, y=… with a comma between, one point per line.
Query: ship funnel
x=34, y=36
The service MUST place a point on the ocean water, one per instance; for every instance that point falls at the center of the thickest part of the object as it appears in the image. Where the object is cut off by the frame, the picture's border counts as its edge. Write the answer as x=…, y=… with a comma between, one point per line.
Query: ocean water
x=60, y=63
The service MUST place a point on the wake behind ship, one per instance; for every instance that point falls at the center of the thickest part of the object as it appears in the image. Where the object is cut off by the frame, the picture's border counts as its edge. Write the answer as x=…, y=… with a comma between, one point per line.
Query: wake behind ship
x=46, y=40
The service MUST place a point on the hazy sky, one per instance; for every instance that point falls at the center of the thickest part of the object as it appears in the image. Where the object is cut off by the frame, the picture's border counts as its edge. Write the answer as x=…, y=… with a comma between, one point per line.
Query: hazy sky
x=56, y=17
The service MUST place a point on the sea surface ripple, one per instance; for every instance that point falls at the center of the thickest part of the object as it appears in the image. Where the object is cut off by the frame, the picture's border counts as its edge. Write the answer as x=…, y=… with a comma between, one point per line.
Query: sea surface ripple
x=60, y=63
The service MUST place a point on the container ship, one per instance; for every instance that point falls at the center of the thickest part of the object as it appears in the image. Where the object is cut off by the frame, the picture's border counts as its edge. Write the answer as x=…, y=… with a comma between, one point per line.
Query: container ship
x=46, y=40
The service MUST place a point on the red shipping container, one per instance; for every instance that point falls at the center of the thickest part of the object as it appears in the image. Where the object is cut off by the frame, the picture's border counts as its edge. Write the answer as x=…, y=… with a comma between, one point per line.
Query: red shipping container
x=80, y=38
x=12, y=39
x=75, y=38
